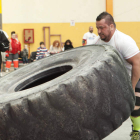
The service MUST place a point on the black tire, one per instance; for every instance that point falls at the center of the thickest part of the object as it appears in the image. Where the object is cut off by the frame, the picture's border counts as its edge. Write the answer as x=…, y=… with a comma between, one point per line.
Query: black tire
x=92, y=99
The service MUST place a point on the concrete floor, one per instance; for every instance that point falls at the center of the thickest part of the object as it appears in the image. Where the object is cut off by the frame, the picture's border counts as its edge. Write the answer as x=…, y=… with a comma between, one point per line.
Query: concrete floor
x=122, y=133
x=11, y=69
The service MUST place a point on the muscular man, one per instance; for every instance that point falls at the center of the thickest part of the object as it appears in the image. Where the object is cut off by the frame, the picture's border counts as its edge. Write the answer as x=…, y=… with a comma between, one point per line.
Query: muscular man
x=128, y=50
x=15, y=48
x=88, y=37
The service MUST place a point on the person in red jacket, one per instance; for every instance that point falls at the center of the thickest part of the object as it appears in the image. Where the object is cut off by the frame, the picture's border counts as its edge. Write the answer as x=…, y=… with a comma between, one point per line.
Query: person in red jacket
x=15, y=48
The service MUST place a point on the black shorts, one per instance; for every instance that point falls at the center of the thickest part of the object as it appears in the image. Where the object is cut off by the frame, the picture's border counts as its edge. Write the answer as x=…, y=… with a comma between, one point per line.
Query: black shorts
x=12, y=57
x=137, y=89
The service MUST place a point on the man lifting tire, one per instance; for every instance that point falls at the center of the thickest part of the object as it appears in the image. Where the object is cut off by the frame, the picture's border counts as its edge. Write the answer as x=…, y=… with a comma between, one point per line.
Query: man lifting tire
x=129, y=52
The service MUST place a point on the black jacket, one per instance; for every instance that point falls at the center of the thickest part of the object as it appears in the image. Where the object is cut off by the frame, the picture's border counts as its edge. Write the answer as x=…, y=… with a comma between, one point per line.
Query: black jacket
x=4, y=43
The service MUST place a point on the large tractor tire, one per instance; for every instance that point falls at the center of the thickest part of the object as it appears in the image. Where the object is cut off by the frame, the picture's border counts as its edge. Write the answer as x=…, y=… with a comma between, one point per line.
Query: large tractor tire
x=81, y=94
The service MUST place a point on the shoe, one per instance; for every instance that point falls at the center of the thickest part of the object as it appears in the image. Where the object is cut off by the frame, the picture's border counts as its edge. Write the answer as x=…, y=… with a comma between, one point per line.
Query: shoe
x=135, y=135
x=7, y=70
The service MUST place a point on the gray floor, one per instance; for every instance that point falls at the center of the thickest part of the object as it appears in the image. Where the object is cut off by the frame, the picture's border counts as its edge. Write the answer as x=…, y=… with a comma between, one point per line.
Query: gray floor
x=122, y=133
x=11, y=69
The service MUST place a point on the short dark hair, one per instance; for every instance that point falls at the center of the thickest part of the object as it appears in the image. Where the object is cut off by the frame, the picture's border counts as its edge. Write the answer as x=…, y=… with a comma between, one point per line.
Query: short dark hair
x=13, y=32
x=41, y=43
x=108, y=18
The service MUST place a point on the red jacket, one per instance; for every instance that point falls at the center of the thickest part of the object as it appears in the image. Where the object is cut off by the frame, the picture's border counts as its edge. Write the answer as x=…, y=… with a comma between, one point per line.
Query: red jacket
x=16, y=46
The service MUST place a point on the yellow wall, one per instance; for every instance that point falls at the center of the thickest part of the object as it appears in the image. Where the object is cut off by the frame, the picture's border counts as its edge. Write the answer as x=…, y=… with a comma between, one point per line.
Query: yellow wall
x=130, y=28
x=74, y=33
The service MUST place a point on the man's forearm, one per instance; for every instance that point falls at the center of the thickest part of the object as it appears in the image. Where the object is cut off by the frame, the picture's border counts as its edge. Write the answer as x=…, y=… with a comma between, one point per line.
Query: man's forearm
x=135, y=75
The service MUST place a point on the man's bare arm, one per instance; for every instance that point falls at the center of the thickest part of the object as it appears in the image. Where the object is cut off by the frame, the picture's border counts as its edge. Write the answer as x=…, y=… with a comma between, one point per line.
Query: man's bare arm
x=135, y=62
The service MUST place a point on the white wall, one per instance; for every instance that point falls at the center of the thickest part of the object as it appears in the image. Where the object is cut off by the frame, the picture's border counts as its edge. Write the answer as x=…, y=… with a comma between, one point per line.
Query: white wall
x=126, y=10
x=51, y=11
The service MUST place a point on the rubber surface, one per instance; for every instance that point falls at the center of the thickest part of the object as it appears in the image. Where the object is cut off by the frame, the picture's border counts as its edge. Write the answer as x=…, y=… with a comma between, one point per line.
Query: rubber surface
x=92, y=99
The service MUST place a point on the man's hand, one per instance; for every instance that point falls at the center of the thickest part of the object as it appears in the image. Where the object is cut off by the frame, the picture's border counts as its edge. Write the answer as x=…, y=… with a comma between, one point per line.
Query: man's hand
x=137, y=108
x=10, y=49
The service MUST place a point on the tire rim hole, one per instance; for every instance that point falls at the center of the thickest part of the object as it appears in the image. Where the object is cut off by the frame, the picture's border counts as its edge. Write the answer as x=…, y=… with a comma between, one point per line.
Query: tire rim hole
x=43, y=77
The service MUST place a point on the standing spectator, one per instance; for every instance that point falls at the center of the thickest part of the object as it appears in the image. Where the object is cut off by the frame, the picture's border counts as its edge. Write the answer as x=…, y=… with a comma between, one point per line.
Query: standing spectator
x=3, y=54
x=15, y=48
x=41, y=51
x=89, y=37
x=16, y=36
x=68, y=45
x=56, y=48
x=4, y=44
x=25, y=55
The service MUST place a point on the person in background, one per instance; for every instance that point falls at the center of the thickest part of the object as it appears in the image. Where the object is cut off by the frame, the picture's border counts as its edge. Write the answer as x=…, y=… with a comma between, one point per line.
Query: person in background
x=56, y=48
x=25, y=55
x=4, y=43
x=42, y=51
x=3, y=54
x=68, y=45
x=13, y=53
x=16, y=36
x=89, y=37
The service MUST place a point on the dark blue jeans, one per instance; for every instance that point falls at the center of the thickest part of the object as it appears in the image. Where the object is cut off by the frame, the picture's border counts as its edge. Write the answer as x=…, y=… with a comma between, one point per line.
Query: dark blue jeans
x=25, y=60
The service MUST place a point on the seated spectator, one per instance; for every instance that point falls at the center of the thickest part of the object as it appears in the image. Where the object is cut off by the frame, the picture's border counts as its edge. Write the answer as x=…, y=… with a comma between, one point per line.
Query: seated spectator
x=25, y=55
x=68, y=45
x=55, y=48
x=42, y=51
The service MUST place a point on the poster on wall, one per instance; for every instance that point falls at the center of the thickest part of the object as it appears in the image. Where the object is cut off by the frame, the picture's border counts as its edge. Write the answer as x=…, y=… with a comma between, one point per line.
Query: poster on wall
x=72, y=23
x=29, y=36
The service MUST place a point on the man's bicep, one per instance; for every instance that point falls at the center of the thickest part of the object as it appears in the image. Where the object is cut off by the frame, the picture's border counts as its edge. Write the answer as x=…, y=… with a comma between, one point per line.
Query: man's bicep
x=134, y=60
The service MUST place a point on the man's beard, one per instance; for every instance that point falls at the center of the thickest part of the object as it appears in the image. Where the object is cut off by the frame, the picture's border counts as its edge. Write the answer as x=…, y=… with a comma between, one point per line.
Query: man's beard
x=106, y=38
x=91, y=31
x=103, y=39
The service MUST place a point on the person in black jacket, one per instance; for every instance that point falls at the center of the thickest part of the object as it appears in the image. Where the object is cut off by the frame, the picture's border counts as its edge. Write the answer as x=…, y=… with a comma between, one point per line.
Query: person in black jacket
x=4, y=45
x=68, y=45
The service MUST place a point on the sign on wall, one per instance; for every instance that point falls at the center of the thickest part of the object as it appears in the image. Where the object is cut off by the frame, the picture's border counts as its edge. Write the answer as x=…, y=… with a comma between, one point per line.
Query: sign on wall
x=29, y=36
x=72, y=23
